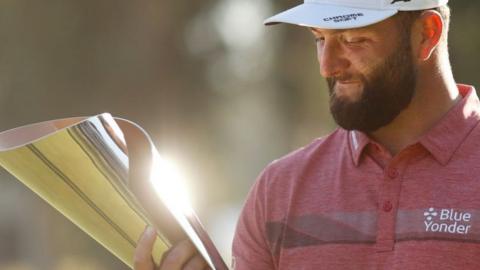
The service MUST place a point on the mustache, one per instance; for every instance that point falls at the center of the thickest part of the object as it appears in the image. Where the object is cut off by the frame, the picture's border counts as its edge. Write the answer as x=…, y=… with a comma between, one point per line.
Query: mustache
x=346, y=77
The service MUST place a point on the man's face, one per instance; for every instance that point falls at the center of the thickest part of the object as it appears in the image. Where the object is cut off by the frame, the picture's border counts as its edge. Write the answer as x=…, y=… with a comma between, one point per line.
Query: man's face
x=370, y=74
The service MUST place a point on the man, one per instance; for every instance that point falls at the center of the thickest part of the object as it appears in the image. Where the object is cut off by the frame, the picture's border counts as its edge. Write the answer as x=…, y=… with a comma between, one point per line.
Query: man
x=395, y=187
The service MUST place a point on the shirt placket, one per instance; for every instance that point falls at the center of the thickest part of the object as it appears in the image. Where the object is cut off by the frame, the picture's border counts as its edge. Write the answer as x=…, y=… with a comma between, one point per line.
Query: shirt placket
x=388, y=205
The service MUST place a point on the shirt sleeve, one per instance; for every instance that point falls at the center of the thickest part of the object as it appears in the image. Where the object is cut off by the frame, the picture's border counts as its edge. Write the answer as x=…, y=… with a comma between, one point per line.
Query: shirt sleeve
x=250, y=246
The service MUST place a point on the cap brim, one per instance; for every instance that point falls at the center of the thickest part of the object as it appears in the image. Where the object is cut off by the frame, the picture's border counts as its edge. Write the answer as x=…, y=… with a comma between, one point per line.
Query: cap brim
x=330, y=16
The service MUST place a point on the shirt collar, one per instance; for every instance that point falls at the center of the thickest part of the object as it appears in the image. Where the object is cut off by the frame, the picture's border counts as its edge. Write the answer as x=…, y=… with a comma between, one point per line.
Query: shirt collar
x=358, y=141
x=444, y=138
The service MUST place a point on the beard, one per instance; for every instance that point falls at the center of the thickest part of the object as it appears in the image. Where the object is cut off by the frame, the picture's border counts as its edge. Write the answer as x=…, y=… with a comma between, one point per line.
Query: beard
x=387, y=91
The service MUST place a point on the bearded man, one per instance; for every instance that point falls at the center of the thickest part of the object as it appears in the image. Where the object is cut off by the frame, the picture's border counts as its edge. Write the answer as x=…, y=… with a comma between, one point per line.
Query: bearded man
x=395, y=186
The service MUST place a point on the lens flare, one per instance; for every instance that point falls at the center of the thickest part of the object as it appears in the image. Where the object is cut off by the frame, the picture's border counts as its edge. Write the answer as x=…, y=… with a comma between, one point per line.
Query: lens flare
x=169, y=184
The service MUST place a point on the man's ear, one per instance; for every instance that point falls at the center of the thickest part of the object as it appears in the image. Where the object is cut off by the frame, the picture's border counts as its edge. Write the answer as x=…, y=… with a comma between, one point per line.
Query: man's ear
x=431, y=27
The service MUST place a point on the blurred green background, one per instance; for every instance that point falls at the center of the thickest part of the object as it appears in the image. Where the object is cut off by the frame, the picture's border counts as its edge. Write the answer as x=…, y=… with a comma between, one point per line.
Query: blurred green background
x=221, y=95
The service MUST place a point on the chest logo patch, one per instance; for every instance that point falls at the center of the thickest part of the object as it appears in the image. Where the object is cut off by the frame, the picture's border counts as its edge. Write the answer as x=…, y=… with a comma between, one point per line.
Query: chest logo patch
x=448, y=221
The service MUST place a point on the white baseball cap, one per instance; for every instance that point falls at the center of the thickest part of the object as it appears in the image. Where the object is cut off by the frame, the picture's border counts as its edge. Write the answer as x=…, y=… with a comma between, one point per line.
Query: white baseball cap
x=344, y=14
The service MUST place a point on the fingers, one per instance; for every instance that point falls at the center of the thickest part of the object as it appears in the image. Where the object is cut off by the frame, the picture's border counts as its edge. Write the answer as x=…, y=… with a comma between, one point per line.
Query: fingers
x=196, y=263
x=182, y=256
x=143, y=253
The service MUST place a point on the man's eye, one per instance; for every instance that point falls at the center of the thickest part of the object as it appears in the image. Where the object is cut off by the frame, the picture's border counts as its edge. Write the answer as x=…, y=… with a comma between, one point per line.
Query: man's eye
x=353, y=40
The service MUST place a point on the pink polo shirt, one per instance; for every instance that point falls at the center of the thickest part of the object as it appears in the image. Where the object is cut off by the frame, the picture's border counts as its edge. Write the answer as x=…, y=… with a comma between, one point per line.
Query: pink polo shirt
x=342, y=202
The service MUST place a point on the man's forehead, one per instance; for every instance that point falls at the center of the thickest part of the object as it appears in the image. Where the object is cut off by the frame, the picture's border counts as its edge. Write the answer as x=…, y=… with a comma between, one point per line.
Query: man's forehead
x=336, y=31
x=332, y=31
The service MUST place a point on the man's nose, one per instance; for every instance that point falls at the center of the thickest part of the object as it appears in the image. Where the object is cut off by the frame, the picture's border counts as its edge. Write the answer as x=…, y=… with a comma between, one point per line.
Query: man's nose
x=331, y=58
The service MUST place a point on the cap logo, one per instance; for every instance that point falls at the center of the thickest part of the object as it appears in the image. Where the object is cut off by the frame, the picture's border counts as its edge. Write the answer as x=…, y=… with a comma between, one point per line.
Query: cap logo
x=395, y=1
x=344, y=18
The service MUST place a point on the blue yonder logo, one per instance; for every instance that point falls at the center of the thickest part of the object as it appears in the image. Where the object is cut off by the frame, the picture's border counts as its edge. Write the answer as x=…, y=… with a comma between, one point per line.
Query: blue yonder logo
x=447, y=221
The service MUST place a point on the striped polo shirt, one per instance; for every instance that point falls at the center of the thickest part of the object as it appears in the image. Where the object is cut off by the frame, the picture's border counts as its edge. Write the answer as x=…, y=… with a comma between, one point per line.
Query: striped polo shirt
x=343, y=202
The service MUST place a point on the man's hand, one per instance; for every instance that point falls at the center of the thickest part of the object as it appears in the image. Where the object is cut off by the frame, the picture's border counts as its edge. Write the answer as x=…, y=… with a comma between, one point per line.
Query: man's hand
x=182, y=256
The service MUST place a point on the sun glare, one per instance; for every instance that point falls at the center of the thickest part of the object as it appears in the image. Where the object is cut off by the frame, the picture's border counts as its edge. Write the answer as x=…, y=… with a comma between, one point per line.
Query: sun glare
x=169, y=184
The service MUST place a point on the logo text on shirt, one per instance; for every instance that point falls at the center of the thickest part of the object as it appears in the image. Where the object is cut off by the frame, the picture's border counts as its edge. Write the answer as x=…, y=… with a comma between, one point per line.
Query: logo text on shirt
x=447, y=221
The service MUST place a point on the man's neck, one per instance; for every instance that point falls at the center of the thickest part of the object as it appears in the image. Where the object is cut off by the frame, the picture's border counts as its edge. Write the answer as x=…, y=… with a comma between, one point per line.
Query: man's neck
x=435, y=95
